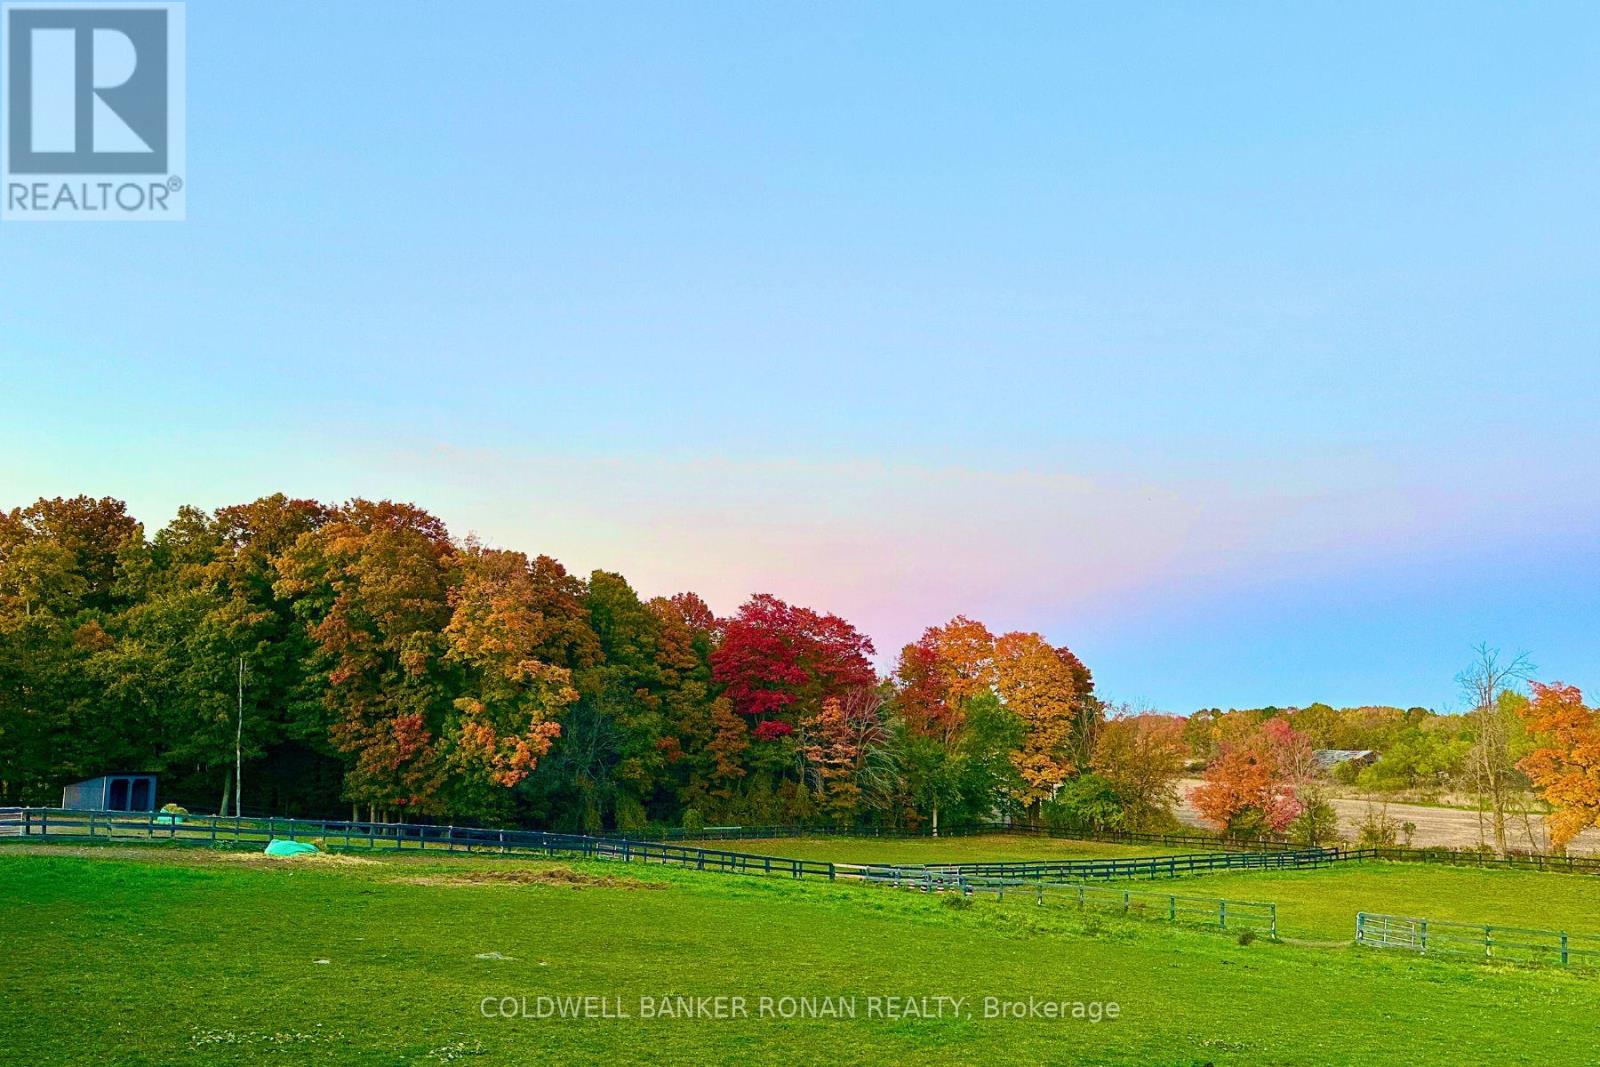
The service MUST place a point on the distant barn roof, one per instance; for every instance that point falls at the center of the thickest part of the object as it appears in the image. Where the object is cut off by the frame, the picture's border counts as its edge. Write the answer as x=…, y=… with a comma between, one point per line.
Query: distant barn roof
x=1331, y=757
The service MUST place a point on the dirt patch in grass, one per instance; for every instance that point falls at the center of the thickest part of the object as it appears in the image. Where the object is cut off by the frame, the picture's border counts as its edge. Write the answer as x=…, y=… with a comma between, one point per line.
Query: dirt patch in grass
x=304, y=859
x=557, y=876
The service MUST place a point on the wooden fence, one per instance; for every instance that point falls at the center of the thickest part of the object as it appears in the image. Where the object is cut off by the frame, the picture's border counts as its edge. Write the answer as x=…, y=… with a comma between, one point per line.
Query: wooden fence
x=759, y=833
x=1524, y=861
x=210, y=829
x=1479, y=940
x=1135, y=867
x=224, y=830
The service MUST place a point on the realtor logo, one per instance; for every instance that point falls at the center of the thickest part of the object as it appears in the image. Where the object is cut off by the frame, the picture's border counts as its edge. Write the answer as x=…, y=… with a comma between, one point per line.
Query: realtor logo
x=93, y=111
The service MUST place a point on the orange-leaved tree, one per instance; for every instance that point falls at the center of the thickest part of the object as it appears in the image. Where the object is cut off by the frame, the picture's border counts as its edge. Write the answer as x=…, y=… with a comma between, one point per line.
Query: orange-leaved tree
x=1037, y=686
x=504, y=721
x=1247, y=788
x=1565, y=768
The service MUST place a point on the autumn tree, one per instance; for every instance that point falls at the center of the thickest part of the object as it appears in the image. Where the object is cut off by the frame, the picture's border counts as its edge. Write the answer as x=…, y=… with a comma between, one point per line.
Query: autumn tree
x=1036, y=685
x=846, y=749
x=373, y=586
x=1565, y=764
x=730, y=739
x=936, y=680
x=777, y=662
x=1142, y=756
x=830, y=747
x=1247, y=791
x=686, y=635
x=506, y=714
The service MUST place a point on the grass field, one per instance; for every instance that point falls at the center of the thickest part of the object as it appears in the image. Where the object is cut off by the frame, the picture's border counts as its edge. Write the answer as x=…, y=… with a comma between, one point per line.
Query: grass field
x=125, y=955
x=1323, y=903
x=933, y=850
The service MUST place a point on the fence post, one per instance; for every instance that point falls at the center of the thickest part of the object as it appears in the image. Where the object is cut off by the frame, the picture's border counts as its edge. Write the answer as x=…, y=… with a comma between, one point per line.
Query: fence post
x=1272, y=913
x=1222, y=914
x=1424, y=937
x=1038, y=889
x=1563, y=948
x=1172, y=909
x=1488, y=942
x=1124, y=902
x=1361, y=927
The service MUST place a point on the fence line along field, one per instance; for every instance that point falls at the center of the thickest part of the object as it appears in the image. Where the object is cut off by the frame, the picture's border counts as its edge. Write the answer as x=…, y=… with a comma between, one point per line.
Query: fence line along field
x=223, y=831
x=918, y=850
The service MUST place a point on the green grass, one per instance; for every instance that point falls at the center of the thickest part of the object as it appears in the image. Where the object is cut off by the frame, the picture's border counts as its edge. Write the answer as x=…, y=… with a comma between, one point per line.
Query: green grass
x=972, y=849
x=154, y=955
x=1323, y=903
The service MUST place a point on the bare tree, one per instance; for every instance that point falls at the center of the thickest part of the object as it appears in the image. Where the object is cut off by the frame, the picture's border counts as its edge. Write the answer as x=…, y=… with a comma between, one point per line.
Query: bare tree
x=1483, y=683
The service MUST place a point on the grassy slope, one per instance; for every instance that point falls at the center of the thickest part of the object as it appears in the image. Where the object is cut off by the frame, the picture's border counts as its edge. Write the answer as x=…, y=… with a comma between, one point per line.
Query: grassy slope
x=156, y=956
x=929, y=850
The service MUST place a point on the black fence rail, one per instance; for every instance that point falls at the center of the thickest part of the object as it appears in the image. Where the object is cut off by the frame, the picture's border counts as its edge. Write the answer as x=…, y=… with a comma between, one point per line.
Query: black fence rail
x=1135, y=837
x=1439, y=937
x=761, y=833
x=1523, y=861
x=217, y=830
x=768, y=833
x=1137, y=867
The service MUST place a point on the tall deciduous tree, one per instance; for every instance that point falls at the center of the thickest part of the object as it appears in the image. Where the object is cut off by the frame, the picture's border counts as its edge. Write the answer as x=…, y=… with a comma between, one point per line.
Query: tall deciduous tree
x=778, y=663
x=1565, y=765
x=1036, y=684
x=1484, y=683
x=506, y=718
x=1142, y=756
x=373, y=585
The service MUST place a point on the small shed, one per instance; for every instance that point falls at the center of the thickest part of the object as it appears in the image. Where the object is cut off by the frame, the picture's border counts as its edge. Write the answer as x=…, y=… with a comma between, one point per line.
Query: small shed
x=112, y=792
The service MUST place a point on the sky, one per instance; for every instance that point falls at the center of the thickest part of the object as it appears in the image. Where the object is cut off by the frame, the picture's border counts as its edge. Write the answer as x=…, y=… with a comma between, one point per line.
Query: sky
x=1248, y=349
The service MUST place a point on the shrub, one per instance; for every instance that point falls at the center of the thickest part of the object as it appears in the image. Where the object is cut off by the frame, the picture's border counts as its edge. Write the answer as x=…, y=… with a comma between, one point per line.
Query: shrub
x=1246, y=936
x=630, y=815
x=1377, y=829
x=957, y=900
x=693, y=821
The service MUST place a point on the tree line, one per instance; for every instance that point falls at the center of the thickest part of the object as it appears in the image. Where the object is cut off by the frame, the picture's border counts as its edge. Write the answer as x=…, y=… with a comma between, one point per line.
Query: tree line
x=1521, y=749
x=358, y=658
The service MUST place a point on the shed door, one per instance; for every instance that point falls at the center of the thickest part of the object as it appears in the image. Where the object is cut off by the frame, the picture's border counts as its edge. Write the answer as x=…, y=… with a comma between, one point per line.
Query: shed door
x=140, y=798
x=117, y=797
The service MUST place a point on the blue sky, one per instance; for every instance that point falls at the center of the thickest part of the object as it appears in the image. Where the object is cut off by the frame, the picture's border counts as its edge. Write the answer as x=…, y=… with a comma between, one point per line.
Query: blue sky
x=1249, y=350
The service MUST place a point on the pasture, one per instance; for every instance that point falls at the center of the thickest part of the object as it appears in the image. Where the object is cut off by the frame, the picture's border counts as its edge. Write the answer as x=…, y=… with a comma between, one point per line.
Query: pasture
x=967, y=849
x=1323, y=903
x=159, y=955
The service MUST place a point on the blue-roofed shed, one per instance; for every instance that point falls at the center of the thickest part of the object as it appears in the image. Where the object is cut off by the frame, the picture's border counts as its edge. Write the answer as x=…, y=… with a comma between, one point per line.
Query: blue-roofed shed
x=112, y=792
